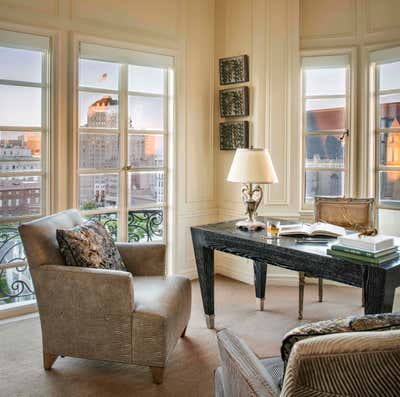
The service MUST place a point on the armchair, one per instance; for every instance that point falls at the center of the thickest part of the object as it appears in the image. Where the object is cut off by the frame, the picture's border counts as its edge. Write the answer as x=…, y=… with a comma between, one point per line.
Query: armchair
x=133, y=317
x=356, y=364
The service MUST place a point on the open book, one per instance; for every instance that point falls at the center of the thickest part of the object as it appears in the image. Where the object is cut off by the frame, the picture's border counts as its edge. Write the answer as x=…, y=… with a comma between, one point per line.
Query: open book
x=316, y=229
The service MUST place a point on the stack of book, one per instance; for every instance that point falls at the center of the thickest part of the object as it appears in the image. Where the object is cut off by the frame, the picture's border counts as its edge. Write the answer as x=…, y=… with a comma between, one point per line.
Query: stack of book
x=375, y=250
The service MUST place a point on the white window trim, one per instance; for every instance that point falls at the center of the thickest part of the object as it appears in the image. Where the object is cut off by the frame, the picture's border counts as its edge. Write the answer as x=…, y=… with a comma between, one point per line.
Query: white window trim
x=53, y=126
x=170, y=185
x=351, y=160
x=375, y=55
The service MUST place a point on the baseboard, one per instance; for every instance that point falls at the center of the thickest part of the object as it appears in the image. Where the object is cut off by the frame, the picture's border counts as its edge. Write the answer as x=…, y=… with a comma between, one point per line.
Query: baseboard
x=18, y=309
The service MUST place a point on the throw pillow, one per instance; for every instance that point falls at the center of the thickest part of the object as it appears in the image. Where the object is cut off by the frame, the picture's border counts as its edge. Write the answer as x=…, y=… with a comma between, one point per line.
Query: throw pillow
x=89, y=245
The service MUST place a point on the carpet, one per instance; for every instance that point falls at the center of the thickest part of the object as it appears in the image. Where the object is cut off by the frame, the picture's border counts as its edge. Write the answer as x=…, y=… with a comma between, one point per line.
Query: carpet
x=190, y=370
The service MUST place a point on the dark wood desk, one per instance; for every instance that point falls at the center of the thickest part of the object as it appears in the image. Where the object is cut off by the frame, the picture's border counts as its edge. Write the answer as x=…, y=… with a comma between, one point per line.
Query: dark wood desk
x=379, y=282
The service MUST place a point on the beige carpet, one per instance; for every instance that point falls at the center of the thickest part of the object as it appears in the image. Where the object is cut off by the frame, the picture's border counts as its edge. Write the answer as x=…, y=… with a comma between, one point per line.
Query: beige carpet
x=190, y=370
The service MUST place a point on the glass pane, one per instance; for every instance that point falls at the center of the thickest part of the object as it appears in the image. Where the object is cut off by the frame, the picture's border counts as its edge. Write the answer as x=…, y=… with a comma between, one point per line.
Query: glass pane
x=145, y=79
x=389, y=111
x=19, y=151
x=20, y=196
x=146, y=225
x=97, y=74
x=146, y=113
x=146, y=188
x=324, y=151
x=324, y=183
x=146, y=151
x=20, y=106
x=389, y=76
x=98, y=110
x=98, y=191
x=99, y=151
x=389, y=148
x=389, y=186
x=20, y=65
x=327, y=81
x=327, y=114
x=109, y=221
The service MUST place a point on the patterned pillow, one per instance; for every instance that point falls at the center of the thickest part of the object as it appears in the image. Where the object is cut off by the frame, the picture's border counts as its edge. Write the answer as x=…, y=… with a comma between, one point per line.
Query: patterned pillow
x=89, y=245
x=373, y=322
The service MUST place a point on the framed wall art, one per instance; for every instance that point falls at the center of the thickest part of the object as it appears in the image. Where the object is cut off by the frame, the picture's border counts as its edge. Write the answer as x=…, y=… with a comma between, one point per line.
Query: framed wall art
x=234, y=70
x=234, y=102
x=233, y=135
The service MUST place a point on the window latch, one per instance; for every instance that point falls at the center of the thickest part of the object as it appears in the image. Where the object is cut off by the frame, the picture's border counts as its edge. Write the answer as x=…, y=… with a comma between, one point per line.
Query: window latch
x=346, y=133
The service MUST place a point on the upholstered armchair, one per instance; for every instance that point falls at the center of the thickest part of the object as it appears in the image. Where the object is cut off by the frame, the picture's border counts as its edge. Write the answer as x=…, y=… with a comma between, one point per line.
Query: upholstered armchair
x=351, y=364
x=133, y=317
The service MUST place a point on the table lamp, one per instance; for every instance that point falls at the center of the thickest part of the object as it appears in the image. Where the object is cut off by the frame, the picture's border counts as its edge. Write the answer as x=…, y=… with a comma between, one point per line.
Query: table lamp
x=252, y=167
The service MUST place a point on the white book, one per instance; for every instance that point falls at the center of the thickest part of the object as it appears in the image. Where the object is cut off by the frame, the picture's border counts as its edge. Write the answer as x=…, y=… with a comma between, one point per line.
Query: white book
x=316, y=229
x=368, y=243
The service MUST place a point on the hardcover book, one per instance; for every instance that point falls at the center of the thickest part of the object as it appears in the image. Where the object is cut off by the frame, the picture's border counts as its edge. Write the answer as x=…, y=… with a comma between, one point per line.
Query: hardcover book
x=359, y=258
x=367, y=243
x=316, y=229
x=377, y=254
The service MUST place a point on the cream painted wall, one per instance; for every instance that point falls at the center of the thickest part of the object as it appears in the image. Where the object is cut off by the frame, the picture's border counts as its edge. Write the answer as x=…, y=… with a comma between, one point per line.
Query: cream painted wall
x=267, y=31
x=184, y=26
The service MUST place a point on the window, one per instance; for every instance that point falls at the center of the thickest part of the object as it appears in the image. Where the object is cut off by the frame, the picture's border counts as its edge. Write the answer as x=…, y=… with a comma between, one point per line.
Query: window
x=24, y=139
x=325, y=125
x=124, y=116
x=387, y=126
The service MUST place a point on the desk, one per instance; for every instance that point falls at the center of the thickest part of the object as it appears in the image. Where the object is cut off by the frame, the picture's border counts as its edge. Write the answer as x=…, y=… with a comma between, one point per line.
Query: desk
x=379, y=282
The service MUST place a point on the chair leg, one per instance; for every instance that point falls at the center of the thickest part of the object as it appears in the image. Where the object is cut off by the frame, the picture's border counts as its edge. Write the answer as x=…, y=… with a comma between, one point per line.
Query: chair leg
x=48, y=360
x=320, y=289
x=184, y=332
x=158, y=374
x=302, y=281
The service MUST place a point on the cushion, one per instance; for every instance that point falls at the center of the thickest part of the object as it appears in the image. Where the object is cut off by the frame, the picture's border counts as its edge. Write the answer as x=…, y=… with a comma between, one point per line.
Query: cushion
x=89, y=245
x=375, y=322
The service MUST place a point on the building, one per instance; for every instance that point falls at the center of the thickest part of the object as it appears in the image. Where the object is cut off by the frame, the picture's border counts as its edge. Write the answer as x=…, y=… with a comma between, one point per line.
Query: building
x=103, y=113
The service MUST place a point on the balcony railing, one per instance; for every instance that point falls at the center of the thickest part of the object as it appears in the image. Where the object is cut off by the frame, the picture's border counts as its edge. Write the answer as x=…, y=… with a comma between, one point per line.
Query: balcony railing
x=15, y=280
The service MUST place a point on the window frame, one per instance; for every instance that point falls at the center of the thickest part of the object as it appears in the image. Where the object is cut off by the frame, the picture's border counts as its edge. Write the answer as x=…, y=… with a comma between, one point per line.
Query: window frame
x=123, y=132
x=374, y=108
x=349, y=133
x=29, y=41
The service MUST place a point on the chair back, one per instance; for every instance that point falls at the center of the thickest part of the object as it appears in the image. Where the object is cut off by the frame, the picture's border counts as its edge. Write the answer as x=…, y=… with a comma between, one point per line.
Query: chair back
x=39, y=237
x=351, y=213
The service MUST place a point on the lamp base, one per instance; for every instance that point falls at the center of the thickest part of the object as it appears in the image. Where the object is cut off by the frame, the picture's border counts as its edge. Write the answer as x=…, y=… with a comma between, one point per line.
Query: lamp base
x=250, y=225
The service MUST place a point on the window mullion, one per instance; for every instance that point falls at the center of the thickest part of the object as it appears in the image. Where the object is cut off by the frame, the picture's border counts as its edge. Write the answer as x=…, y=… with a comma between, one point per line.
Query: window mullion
x=124, y=175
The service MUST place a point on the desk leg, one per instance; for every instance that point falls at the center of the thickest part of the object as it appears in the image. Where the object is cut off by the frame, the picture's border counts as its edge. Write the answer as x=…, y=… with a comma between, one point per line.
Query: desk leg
x=379, y=289
x=205, y=269
x=260, y=280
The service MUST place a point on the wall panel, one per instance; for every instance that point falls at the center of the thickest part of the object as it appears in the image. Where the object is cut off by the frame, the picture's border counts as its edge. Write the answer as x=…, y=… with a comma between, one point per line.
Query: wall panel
x=382, y=15
x=328, y=18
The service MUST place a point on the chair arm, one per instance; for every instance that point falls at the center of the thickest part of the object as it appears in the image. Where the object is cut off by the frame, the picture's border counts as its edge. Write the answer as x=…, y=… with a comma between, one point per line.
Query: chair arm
x=143, y=259
x=243, y=373
x=71, y=289
x=356, y=363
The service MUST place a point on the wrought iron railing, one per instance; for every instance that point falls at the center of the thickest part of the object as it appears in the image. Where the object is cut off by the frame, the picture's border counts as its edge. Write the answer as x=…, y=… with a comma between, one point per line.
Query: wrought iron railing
x=15, y=280
x=145, y=225
x=109, y=221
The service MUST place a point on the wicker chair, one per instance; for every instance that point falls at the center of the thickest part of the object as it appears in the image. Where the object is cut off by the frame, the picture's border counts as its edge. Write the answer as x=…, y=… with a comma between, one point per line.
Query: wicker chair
x=133, y=317
x=352, y=364
x=350, y=213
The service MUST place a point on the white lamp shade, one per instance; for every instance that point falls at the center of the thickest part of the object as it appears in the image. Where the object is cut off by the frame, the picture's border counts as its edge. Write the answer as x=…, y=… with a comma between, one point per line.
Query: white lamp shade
x=252, y=166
